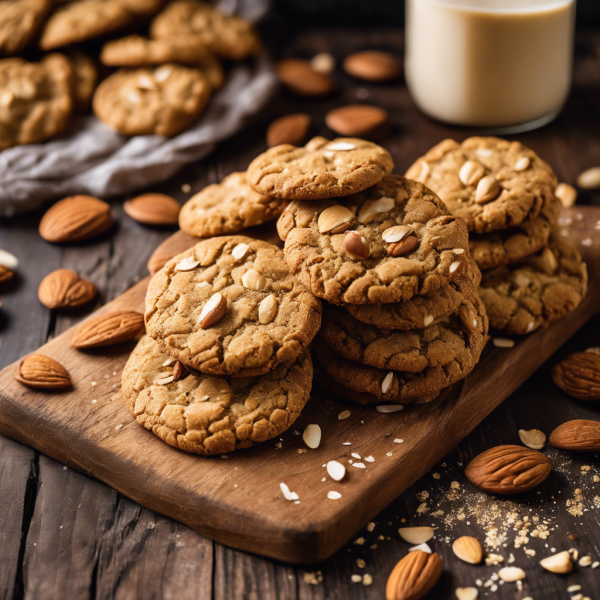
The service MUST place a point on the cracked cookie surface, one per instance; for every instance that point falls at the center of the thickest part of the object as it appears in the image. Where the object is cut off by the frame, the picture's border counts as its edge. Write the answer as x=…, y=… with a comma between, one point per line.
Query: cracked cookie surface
x=392, y=271
x=268, y=317
x=321, y=169
x=35, y=99
x=19, y=22
x=522, y=297
x=407, y=387
x=227, y=207
x=162, y=101
x=207, y=415
x=503, y=184
x=227, y=36
x=507, y=246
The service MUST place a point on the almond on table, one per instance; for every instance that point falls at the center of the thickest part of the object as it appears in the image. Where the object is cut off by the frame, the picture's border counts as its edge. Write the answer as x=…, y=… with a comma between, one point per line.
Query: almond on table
x=64, y=288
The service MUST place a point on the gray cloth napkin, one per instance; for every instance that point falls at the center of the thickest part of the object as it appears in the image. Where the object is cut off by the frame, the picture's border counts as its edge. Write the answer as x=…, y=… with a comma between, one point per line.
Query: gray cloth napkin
x=90, y=158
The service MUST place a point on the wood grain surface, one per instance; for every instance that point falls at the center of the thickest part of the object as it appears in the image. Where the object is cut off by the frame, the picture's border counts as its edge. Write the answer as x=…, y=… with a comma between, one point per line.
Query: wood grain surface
x=66, y=535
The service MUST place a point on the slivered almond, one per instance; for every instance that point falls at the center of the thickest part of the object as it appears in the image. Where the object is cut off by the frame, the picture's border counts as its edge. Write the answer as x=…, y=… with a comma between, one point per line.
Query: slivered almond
x=214, y=310
x=108, y=329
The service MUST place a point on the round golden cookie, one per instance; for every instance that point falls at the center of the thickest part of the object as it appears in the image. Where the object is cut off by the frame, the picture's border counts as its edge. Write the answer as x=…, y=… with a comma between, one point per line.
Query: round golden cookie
x=522, y=297
x=407, y=387
x=387, y=244
x=321, y=169
x=162, y=101
x=229, y=306
x=137, y=51
x=19, y=22
x=227, y=36
x=208, y=415
x=83, y=20
x=227, y=207
x=35, y=99
x=489, y=183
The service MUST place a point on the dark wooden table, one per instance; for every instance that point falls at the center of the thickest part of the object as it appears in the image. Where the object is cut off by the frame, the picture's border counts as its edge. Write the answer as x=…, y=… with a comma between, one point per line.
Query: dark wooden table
x=65, y=535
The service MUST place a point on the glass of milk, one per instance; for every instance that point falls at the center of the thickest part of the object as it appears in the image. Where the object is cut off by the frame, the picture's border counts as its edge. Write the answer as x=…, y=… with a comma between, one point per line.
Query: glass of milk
x=500, y=64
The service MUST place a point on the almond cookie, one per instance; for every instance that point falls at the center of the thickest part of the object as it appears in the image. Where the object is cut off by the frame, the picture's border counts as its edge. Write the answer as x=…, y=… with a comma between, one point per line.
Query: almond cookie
x=19, y=22
x=489, y=183
x=227, y=207
x=83, y=20
x=163, y=101
x=321, y=169
x=394, y=241
x=229, y=306
x=137, y=51
x=522, y=297
x=85, y=80
x=227, y=36
x=35, y=99
x=407, y=387
x=207, y=415
x=507, y=246
x=420, y=311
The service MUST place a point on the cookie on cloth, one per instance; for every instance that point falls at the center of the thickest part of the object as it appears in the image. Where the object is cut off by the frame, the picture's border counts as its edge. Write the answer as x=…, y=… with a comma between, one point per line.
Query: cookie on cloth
x=321, y=169
x=387, y=244
x=488, y=182
x=229, y=306
x=164, y=101
x=522, y=297
x=227, y=207
x=211, y=415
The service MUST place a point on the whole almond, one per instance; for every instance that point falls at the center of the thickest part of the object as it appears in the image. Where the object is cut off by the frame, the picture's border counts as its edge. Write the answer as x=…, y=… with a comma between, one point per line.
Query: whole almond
x=579, y=375
x=108, y=329
x=373, y=65
x=580, y=435
x=488, y=189
x=335, y=219
x=172, y=246
x=64, y=289
x=253, y=280
x=356, y=245
x=355, y=119
x=299, y=77
x=75, y=219
x=213, y=311
x=267, y=309
x=589, y=179
x=471, y=172
x=566, y=193
x=153, y=209
x=414, y=576
x=508, y=469
x=289, y=129
x=42, y=373
x=404, y=246
x=468, y=549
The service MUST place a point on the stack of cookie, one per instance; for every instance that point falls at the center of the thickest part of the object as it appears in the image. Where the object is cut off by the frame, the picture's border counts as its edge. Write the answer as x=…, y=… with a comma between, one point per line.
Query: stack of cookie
x=504, y=193
x=163, y=83
x=225, y=362
x=402, y=319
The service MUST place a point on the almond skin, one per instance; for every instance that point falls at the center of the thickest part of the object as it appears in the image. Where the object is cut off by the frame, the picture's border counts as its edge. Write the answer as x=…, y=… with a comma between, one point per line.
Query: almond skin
x=355, y=119
x=414, y=576
x=42, y=373
x=108, y=329
x=289, y=129
x=579, y=375
x=75, y=219
x=153, y=209
x=580, y=435
x=373, y=65
x=299, y=77
x=64, y=289
x=508, y=469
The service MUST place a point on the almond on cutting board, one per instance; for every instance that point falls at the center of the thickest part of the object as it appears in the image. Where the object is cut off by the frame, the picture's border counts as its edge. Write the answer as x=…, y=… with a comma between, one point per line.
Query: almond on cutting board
x=508, y=469
x=289, y=129
x=76, y=219
x=301, y=79
x=42, y=373
x=414, y=576
x=373, y=65
x=579, y=375
x=581, y=435
x=63, y=288
x=108, y=329
x=153, y=209
x=356, y=120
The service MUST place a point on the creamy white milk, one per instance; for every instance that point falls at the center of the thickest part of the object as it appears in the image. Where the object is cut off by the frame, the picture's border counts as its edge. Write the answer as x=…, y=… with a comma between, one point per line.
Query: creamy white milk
x=495, y=63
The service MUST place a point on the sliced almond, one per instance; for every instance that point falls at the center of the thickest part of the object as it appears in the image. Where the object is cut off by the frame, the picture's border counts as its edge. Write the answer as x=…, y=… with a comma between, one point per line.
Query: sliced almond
x=468, y=549
x=558, y=563
x=312, y=436
x=589, y=179
x=386, y=384
x=471, y=172
x=567, y=194
x=534, y=438
x=240, y=251
x=416, y=535
x=523, y=164
x=214, y=310
x=468, y=593
x=267, y=310
x=187, y=264
x=336, y=470
x=253, y=280
x=370, y=209
x=396, y=233
x=335, y=219
x=488, y=189
x=511, y=574
x=454, y=266
x=165, y=380
x=356, y=245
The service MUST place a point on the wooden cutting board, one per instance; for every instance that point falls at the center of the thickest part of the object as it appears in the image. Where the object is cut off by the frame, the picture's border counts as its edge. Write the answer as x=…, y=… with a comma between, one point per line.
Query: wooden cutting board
x=237, y=500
